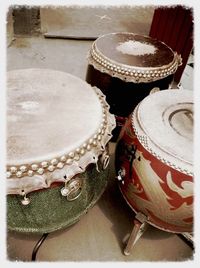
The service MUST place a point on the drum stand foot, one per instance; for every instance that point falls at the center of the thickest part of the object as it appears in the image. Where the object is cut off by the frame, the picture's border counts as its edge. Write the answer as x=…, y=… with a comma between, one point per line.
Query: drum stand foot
x=140, y=225
x=37, y=246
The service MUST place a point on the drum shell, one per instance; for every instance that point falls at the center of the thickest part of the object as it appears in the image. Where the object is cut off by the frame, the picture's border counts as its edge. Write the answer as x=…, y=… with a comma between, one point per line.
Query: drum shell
x=123, y=96
x=152, y=187
x=49, y=211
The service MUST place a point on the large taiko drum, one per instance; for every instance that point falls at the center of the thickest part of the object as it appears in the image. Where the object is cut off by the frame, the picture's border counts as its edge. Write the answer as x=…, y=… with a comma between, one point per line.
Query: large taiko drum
x=127, y=67
x=154, y=159
x=58, y=129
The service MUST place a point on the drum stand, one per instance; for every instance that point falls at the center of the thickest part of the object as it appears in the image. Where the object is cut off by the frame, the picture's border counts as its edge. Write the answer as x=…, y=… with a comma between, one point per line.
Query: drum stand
x=140, y=226
x=37, y=246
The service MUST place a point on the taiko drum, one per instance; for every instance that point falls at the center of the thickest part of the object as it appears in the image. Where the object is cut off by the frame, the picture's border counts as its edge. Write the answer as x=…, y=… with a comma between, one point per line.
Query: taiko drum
x=154, y=157
x=127, y=67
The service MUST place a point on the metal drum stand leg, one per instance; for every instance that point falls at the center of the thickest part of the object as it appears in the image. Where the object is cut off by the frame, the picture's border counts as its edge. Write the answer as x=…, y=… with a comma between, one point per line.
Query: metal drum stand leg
x=37, y=246
x=140, y=225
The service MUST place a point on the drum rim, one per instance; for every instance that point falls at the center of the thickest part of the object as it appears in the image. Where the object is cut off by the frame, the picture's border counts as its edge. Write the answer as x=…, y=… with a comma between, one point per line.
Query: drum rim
x=165, y=157
x=131, y=73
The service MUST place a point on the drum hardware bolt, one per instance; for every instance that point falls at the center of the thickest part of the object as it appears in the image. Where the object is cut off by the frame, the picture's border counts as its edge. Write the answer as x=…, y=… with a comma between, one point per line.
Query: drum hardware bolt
x=26, y=200
x=121, y=175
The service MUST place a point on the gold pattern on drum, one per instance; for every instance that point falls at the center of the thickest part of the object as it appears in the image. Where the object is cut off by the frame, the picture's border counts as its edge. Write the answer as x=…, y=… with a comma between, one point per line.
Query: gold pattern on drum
x=151, y=186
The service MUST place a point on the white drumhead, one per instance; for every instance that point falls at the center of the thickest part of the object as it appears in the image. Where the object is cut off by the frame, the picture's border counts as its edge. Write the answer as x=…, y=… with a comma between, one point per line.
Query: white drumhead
x=48, y=113
x=166, y=119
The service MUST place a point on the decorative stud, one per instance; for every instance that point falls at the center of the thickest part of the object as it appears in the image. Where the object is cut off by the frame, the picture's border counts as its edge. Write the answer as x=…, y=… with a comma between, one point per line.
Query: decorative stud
x=88, y=147
x=54, y=161
x=76, y=157
x=30, y=173
x=71, y=155
x=82, y=152
x=44, y=164
x=40, y=171
x=78, y=150
x=8, y=174
x=90, y=141
x=94, y=143
x=13, y=170
x=51, y=168
x=19, y=174
x=34, y=167
x=23, y=168
x=60, y=165
x=69, y=161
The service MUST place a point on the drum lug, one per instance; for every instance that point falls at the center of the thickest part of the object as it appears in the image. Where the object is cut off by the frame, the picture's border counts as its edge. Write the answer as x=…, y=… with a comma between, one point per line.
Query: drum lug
x=105, y=159
x=26, y=201
x=72, y=189
x=121, y=175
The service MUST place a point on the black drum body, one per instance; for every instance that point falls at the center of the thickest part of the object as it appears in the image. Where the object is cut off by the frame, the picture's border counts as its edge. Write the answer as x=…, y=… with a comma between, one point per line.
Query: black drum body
x=123, y=96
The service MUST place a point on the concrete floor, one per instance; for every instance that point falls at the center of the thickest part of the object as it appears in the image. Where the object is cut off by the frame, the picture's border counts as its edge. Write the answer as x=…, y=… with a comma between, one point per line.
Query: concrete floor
x=102, y=233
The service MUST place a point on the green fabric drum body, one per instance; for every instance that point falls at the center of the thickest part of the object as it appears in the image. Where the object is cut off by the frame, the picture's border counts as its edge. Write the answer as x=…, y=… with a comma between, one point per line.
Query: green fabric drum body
x=58, y=129
x=127, y=67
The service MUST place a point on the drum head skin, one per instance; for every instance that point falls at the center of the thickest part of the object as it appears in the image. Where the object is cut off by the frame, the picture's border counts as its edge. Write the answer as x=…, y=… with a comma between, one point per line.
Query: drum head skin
x=46, y=108
x=165, y=121
x=133, y=58
x=135, y=50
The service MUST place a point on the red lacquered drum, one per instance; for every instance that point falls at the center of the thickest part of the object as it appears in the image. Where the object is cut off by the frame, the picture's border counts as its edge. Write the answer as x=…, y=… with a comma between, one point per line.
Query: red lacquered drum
x=127, y=67
x=154, y=156
x=58, y=129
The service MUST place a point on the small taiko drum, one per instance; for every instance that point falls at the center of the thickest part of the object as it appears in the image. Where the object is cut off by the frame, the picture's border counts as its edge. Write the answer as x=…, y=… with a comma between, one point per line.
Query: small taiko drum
x=58, y=129
x=154, y=160
x=127, y=67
